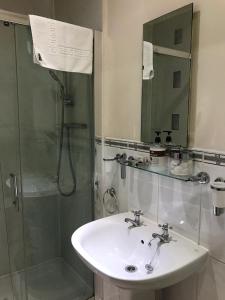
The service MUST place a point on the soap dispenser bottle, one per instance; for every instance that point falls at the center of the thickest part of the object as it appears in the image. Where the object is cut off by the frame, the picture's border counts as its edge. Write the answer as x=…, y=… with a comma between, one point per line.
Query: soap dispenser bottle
x=158, y=153
x=158, y=138
x=169, y=137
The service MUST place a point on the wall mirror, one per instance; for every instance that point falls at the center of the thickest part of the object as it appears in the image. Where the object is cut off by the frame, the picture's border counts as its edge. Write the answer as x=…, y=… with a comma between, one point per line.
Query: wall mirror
x=166, y=77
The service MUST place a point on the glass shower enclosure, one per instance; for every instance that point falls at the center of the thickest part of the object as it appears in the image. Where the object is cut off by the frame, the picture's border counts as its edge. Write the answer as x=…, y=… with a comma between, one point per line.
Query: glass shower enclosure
x=37, y=260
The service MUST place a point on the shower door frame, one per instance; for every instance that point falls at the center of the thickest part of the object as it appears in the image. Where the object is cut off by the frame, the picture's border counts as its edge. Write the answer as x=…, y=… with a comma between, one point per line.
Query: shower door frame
x=16, y=19
x=9, y=16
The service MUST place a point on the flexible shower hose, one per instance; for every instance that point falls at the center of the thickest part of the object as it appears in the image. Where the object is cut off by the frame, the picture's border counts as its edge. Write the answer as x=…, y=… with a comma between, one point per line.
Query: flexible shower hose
x=61, y=140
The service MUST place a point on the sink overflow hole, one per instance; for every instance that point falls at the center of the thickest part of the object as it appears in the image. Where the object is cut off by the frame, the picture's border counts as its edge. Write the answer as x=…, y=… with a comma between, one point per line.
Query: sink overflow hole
x=149, y=268
x=131, y=268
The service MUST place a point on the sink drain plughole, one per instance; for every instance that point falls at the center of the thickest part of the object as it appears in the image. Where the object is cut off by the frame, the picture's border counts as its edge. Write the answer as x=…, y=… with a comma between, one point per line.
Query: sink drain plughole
x=131, y=268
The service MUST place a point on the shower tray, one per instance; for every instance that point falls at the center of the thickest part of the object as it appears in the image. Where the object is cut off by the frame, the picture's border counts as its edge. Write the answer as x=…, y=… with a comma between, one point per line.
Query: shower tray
x=52, y=280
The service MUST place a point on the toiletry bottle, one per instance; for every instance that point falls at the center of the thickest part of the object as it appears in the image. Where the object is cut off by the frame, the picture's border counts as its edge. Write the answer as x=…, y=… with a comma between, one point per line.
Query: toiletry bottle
x=181, y=163
x=187, y=162
x=174, y=159
x=158, y=156
x=158, y=138
x=169, y=137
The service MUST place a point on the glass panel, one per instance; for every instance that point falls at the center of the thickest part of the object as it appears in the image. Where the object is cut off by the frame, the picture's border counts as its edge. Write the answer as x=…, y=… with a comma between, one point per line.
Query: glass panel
x=179, y=205
x=159, y=171
x=50, y=218
x=77, y=209
x=37, y=111
x=11, y=225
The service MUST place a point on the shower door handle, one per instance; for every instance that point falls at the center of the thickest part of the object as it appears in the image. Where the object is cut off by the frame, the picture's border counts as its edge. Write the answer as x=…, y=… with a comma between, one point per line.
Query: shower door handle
x=15, y=191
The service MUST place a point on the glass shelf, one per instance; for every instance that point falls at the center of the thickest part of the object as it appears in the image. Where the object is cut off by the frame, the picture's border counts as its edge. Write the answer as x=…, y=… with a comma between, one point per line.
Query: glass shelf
x=201, y=177
x=160, y=171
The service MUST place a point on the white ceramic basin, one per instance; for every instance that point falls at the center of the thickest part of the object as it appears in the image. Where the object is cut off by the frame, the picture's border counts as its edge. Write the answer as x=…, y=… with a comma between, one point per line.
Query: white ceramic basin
x=107, y=246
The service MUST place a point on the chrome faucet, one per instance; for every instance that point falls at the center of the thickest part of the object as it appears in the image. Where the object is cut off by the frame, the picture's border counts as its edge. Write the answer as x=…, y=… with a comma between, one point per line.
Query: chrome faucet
x=137, y=218
x=164, y=237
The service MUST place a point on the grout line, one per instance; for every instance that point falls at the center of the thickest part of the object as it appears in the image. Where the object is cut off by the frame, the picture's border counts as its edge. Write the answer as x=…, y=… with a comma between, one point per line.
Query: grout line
x=216, y=259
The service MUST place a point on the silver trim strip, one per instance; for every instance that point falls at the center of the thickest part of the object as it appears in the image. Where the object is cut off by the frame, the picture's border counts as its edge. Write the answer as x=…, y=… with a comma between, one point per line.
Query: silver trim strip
x=171, y=52
x=9, y=16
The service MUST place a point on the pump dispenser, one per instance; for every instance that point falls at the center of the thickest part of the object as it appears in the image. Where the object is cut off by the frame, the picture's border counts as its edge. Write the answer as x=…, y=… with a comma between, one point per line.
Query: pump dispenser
x=158, y=138
x=169, y=137
x=158, y=153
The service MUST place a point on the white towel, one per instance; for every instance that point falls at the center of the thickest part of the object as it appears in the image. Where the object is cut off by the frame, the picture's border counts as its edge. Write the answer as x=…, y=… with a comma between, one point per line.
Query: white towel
x=62, y=46
x=148, y=70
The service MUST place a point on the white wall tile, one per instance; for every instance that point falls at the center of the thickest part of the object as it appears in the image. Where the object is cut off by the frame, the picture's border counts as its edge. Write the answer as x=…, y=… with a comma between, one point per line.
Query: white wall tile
x=112, y=177
x=212, y=234
x=98, y=182
x=143, y=193
x=179, y=205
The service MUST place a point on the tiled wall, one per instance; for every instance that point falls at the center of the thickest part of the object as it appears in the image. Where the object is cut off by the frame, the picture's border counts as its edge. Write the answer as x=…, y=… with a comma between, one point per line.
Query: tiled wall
x=186, y=206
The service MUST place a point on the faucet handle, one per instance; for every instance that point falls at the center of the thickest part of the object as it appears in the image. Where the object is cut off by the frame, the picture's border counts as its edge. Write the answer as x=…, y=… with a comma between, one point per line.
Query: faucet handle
x=137, y=213
x=165, y=226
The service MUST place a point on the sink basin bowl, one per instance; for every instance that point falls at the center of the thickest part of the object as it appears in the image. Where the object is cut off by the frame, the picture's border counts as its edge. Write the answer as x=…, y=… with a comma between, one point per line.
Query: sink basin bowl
x=120, y=254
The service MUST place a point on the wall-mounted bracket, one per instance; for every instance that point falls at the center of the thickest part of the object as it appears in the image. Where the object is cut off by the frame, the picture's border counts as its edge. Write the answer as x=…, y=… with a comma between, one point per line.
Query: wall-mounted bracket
x=123, y=161
x=201, y=177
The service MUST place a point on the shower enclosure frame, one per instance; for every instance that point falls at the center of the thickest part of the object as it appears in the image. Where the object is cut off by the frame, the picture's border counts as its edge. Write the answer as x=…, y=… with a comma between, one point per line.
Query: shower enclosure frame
x=16, y=18
x=20, y=19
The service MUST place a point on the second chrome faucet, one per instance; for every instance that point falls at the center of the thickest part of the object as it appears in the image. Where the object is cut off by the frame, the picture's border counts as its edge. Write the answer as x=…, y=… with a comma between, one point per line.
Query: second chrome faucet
x=164, y=237
x=137, y=218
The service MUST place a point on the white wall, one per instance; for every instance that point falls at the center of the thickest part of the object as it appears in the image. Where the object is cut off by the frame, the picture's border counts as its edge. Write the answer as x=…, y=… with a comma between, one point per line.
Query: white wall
x=122, y=36
x=98, y=82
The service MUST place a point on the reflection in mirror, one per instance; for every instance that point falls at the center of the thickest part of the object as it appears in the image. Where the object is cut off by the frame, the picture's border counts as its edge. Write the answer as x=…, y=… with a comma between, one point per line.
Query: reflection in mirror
x=166, y=77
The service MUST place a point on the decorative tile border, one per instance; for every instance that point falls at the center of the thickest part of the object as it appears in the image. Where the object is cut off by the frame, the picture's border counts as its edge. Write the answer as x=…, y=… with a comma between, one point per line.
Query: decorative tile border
x=123, y=144
x=214, y=158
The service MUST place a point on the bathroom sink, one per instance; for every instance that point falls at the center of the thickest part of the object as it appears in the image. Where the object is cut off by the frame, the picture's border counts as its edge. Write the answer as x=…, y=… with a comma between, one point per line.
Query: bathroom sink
x=122, y=255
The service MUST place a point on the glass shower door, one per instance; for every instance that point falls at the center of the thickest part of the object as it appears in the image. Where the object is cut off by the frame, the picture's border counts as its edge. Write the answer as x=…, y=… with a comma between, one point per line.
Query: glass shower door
x=37, y=260
x=53, y=270
x=12, y=283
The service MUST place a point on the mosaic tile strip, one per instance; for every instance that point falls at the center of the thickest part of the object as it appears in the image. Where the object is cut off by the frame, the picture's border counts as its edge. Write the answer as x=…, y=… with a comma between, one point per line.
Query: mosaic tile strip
x=201, y=156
